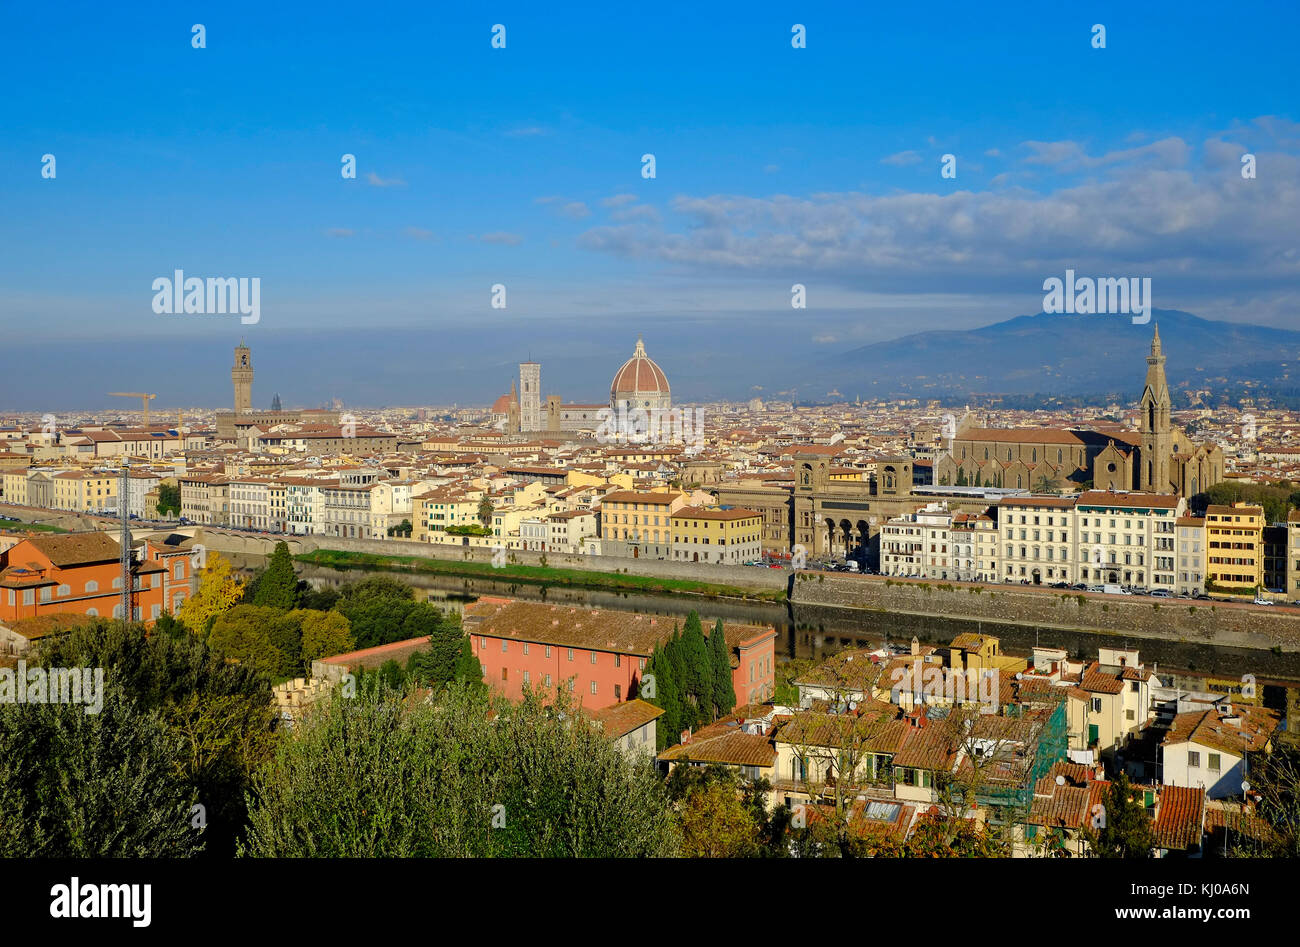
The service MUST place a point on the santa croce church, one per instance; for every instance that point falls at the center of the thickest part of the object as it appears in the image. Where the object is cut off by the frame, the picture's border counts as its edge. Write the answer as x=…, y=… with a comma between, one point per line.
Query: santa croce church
x=1157, y=458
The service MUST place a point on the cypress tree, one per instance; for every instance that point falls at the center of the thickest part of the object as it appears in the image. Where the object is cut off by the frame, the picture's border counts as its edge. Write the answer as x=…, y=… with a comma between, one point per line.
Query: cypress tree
x=277, y=587
x=724, y=693
x=699, y=671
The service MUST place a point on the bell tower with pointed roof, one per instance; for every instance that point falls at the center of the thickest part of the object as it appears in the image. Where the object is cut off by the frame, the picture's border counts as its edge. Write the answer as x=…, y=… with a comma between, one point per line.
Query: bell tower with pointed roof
x=1156, y=427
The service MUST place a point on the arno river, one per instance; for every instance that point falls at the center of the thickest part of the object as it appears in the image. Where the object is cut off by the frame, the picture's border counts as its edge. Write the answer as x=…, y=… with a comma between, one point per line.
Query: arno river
x=805, y=631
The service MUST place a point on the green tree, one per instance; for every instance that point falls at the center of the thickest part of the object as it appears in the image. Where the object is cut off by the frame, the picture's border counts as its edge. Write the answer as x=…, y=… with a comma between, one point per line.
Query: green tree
x=169, y=499
x=103, y=785
x=469, y=670
x=262, y=638
x=324, y=634
x=724, y=691
x=1121, y=827
x=218, y=715
x=318, y=600
x=699, y=670
x=377, y=608
x=277, y=586
x=485, y=511
x=380, y=775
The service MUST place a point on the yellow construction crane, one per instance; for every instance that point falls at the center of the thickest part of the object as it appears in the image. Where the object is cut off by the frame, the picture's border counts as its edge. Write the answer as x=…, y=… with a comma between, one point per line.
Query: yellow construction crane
x=144, y=398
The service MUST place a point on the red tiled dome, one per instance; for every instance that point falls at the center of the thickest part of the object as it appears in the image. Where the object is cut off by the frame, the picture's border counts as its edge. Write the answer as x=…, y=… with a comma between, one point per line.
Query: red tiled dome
x=639, y=375
x=501, y=405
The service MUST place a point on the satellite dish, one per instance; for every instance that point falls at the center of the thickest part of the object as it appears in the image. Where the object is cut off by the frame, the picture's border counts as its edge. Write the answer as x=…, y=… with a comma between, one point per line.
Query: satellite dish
x=1245, y=786
x=1060, y=780
x=1019, y=675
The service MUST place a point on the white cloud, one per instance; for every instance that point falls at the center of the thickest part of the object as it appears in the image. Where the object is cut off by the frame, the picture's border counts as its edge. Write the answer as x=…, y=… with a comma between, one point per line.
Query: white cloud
x=502, y=238
x=376, y=181
x=902, y=159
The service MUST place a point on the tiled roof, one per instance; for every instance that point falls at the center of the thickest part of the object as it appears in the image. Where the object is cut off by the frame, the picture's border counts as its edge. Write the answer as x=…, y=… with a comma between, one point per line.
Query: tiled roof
x=1180, y=817
x=592, y=629
x=734, y=747
x=73, y=549
x=621, y=719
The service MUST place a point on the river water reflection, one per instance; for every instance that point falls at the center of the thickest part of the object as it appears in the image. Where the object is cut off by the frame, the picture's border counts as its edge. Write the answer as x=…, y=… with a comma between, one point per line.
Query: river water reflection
x=805, y=631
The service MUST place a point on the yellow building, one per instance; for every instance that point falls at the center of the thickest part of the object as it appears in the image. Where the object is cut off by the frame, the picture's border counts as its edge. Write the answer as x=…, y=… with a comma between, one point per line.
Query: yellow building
x=733, y=536
x=13, y=486
x=1234, y=539
x=434, y=512
x=85, y=491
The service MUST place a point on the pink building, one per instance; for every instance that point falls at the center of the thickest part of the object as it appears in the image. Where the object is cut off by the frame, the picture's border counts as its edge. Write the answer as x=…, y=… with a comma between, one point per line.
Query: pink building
x=602, y=652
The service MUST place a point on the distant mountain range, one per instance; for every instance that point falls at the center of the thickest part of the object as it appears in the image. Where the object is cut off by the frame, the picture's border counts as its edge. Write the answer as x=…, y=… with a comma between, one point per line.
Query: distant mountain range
x=1070, y=357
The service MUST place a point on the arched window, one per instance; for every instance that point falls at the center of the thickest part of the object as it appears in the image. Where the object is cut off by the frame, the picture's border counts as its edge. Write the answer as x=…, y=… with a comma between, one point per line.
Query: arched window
x=93, y=612
x=65, y=590
x=92, y=586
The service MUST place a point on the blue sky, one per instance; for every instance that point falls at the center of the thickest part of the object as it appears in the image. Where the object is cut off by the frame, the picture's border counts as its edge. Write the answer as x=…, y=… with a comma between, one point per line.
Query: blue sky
x=522, y=166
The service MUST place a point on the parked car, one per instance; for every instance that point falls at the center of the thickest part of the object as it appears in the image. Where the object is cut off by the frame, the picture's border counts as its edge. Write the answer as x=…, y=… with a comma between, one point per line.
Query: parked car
x=1095, y=588
x=1262, y=601
x=1162, y=593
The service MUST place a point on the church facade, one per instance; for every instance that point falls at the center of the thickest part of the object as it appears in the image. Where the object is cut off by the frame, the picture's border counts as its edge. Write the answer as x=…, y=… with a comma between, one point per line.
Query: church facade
x=1157, y=458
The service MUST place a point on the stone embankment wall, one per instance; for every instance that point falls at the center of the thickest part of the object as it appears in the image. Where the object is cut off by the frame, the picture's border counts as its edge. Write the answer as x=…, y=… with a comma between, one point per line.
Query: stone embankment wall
x=747, y=577
x=1174, y=619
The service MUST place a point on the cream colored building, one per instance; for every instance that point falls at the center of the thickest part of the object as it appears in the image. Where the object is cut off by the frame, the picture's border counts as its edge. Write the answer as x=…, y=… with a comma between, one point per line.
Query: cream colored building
x=730, y=536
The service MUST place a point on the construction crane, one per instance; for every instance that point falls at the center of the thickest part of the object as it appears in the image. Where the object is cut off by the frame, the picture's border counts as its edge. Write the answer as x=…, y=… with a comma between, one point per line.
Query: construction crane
x=144, y=398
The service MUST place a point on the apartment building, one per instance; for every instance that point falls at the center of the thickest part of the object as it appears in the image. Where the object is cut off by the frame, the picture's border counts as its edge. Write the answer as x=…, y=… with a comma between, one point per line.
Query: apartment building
x=1037, y=540
x=140, y=483
x=78, y=573
x=1128, y=538
x=1234, y=540
x=250, y=503
x=303, y=502
x=1189, y=544
x=85, y=491
x=921, y=544
x=1119, y=689
x=568, y=531
x=638, y=523
x=344, y=511
x=726, y=536
x=440, y=509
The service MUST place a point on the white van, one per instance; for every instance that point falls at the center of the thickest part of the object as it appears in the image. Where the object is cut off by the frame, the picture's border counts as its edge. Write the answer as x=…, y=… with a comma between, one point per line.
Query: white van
x=1115, y=590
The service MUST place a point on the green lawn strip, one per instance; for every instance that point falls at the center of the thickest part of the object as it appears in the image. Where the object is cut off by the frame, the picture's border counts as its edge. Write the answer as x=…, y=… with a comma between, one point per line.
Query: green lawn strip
x=37, y=527
x=578, y=578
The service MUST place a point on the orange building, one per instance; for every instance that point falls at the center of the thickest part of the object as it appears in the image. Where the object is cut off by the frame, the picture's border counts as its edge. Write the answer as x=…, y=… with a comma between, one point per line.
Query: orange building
x=602, y=652
x=76, y=573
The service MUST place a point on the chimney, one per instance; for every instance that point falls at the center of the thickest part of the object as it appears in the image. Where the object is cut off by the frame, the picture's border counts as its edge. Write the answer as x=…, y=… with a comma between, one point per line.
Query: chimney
x=686, y=736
